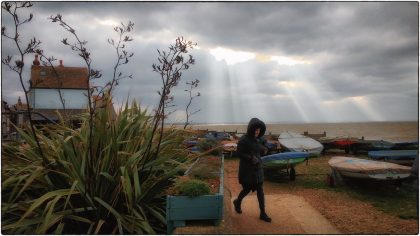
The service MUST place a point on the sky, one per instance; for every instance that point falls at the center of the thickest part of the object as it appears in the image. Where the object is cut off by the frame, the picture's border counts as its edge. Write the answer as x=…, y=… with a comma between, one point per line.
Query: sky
x=283, y=62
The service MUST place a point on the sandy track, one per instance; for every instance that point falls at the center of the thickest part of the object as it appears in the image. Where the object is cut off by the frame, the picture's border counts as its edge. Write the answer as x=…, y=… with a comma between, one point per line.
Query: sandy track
x=299, y=211
x=291, y=214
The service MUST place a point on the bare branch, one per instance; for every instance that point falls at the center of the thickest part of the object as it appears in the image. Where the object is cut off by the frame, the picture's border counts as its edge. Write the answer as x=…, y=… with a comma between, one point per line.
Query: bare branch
x=123, y=56
x=32, y=46
x=170, y=65
x=192, y=85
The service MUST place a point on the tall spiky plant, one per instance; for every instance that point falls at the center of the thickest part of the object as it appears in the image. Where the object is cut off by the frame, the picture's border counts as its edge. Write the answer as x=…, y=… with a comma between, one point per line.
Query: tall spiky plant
x=127, y=195
x=106, y=177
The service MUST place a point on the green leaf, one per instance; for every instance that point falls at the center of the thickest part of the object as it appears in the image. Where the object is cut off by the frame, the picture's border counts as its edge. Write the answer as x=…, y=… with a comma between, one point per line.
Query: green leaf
x=156, y=214
x=137, y=187
x=71, y=192
x=22, y=224
x=107, y=176
x=36, y=173
x=78, y=218
x=42, y=199
x=98, y=227
x=59, y=229
x=113, y=211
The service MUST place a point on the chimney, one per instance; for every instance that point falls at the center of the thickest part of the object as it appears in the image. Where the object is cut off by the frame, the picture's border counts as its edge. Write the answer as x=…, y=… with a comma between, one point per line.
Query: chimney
x=61, y=63
x=36, y=62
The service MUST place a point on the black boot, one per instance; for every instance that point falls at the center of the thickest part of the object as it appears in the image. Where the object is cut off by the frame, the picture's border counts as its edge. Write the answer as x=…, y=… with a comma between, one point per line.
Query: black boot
x=261, y=202
x=265, y=217
x=237, y=205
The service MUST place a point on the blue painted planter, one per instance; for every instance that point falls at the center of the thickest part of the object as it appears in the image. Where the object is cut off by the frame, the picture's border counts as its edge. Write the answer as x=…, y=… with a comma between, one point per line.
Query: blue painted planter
x=182, y=208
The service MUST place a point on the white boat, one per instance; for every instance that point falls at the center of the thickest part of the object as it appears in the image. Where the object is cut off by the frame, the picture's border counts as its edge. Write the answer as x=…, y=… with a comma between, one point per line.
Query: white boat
x=295, y=142
x=362, y=168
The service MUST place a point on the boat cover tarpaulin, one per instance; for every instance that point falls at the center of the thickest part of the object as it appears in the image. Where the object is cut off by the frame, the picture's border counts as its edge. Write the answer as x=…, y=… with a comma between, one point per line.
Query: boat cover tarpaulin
x=299, y=143
x=367, y=166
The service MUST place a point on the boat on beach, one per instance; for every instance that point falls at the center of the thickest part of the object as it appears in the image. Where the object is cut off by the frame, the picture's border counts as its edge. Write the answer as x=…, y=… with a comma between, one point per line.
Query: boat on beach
x=217, y=135
x=229, y=147
x=409, y=145
x=190, y=143
x=370, y=145
x=295, y=142
x=368, y=169
x=402, y=157
x=342, y=143
x=285, y=160
x=273, y=146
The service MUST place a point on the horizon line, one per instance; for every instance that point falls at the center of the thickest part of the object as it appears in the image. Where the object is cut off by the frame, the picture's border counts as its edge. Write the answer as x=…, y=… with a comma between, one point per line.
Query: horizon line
x=295, y=123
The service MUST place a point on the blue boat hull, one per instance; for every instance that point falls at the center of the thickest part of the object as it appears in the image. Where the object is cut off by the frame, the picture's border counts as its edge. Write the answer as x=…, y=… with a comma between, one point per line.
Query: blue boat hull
x=394, y=155
x=413, y=145
x=284, y=160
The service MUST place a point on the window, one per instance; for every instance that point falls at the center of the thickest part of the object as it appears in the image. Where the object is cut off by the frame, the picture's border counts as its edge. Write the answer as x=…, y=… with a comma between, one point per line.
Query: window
x=43, y=73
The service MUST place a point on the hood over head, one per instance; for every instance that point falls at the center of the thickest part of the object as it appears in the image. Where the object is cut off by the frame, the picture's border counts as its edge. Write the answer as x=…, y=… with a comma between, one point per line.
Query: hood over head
x=253, y=124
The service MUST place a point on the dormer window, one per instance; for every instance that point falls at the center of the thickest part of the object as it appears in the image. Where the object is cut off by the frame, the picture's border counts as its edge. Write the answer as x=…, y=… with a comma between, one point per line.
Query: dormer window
x=43, y=73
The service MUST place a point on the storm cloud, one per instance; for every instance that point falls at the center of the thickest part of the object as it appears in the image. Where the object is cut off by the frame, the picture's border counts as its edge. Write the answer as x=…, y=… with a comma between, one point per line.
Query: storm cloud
x=279, y=61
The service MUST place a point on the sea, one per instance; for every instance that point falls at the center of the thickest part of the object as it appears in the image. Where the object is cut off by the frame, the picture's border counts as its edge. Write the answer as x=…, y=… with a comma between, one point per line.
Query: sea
x=388, y=131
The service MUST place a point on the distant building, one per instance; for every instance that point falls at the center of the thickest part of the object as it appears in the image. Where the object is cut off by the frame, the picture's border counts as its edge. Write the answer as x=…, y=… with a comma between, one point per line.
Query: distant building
x=19, y=108
x=48, y=82
x=50, y=87
x=12, y=116
x=5, y=119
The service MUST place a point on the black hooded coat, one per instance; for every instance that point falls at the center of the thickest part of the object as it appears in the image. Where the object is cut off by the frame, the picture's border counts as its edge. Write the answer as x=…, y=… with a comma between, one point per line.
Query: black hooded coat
x=250, y=173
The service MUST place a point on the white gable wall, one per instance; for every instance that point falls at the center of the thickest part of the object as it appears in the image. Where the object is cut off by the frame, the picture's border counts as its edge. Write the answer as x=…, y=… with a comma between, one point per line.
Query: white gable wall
x=50, y=98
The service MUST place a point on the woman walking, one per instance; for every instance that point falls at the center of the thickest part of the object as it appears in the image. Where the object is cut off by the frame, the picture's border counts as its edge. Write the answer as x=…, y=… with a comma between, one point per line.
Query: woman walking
x=251, y=174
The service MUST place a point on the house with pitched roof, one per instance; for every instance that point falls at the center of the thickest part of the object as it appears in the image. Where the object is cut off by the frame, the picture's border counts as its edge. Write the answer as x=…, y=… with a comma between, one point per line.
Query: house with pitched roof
x=59, y=88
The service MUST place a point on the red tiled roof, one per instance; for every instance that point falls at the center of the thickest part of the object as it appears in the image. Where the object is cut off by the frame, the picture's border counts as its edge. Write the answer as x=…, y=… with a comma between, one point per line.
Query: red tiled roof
x=68, y=77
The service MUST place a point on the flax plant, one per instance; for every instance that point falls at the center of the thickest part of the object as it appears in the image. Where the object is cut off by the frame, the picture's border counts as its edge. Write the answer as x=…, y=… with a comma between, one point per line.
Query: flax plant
x=127, y=197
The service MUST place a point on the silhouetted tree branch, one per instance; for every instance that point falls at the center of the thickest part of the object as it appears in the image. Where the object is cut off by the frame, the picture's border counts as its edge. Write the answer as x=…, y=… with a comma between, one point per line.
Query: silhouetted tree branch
x=170, y=67
x=123, y=56
x=193, y=84
x=12, y=8
x=78, y=46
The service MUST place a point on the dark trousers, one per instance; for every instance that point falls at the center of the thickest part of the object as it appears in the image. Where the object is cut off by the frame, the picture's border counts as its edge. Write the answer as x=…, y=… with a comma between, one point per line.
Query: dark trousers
x=260, y=195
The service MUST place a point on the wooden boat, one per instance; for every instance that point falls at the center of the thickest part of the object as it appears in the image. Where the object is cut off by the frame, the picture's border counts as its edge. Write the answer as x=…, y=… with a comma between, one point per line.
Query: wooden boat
x=368, y=169
x=274, y=163
x=337, y=143
x=295, y=142
x=403, y=157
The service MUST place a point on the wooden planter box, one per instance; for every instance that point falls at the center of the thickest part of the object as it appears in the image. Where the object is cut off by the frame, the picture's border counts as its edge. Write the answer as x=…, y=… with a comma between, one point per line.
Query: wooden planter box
x=182, y=208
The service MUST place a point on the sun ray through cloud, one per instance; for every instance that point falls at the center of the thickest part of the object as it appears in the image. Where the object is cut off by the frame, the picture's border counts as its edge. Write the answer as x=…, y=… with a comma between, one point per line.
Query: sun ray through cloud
x=320, y=66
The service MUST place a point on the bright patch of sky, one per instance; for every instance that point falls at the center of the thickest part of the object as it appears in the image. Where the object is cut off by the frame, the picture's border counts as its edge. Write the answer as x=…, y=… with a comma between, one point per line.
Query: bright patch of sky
x=288, y=61
x=230, y=56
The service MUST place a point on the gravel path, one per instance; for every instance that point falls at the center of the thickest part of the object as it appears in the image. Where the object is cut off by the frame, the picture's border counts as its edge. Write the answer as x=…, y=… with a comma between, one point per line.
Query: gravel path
x=291, y=214
x=300, y=211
